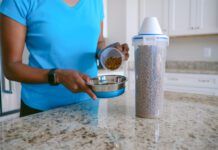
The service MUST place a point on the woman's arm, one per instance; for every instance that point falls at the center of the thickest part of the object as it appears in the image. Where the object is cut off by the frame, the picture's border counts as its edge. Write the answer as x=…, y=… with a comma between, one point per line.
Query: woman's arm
x=101, y=40
x=13, y=40
x=13, y=37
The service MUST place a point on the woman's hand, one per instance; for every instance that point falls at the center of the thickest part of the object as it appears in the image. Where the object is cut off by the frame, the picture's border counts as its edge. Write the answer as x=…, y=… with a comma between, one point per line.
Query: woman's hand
x=124, y=48
x=74, y=81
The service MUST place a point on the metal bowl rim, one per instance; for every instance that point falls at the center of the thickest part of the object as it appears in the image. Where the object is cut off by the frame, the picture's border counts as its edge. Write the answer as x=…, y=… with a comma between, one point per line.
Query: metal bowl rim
x=96, y=78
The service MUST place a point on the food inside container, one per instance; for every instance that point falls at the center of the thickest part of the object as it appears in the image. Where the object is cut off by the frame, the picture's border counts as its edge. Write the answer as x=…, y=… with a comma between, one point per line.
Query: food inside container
x=113, y=63
x=111, y=58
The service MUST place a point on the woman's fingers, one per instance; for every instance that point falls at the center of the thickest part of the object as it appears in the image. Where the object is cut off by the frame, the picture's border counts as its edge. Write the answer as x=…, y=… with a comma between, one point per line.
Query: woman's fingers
x=118, y=46
x=85, y=87
x=126, y=56
x=71, y=85
x=75, y=87
x=90, y=93
x=125, y=47
x=125, y=51
x=75, y=81
x=85, y=77
x=81, y=83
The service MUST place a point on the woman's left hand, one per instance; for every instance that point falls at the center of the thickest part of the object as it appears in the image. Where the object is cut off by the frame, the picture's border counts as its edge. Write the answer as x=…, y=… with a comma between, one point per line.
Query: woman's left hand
x=124, y=48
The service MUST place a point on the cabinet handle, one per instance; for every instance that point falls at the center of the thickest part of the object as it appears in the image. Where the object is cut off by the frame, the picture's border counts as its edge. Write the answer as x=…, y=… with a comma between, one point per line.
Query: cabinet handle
x=4, y=88
x=204, y=81
x=173, y=79
x=195, y=28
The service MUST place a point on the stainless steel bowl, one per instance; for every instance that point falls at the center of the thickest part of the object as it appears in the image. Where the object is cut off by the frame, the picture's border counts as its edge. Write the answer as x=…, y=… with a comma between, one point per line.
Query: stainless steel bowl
x=108, y=85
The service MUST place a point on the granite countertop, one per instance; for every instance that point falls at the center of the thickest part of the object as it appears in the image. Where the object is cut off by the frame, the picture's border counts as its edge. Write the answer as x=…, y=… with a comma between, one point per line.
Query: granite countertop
x=189, y=122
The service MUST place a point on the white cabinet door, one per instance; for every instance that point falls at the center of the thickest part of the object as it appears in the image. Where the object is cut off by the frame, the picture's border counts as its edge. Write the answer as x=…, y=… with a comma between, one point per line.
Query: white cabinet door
x=155, y=8
x=182, y=17
x=193, y=17
x=207, y=16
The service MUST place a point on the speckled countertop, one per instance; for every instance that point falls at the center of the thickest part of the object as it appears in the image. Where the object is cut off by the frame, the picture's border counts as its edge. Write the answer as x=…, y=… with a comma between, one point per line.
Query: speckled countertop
x=189, y=122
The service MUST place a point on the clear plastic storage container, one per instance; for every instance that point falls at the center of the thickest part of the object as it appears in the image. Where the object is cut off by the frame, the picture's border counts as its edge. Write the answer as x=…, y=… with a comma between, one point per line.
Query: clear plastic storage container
x=111, y=58
x=150, y=57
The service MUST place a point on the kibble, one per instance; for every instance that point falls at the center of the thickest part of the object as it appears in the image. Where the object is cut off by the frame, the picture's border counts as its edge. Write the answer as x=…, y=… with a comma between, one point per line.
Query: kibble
x=113, y=63
x=149, y=65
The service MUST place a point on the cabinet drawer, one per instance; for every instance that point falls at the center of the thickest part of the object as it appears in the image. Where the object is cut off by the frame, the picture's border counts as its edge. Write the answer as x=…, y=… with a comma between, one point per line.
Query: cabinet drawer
x=204, y=81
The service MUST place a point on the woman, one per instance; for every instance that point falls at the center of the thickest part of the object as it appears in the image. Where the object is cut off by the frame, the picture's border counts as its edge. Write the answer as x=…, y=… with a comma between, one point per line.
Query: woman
x=62, y=37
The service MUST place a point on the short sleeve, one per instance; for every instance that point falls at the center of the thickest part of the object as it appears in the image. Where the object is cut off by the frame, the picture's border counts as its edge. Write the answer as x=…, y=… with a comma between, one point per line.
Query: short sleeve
x=15, y=9
x=102, y=10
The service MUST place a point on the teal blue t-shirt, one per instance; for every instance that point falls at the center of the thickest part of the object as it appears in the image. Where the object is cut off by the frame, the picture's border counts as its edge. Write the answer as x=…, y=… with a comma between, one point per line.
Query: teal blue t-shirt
x=58, y=36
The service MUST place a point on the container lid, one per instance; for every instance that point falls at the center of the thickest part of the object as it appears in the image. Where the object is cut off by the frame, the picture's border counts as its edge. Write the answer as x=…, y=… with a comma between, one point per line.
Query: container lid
x=150, y=33
x=150, y=26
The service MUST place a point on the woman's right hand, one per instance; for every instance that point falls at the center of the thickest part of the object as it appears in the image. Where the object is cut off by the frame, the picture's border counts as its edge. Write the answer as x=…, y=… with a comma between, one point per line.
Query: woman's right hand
x=74, y=81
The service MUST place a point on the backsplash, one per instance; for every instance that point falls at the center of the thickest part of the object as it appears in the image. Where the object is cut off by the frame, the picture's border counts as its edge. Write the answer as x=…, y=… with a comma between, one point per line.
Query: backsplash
x=192, y=67
x=193, y=48
x=195, y=67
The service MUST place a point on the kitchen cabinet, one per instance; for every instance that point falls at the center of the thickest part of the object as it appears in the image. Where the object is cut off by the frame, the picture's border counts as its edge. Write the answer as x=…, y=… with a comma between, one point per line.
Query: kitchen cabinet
x=10, y=96
x=155, y=8
x=193, y=17
x=192, y=83
x=182, y=17
x=207, y=17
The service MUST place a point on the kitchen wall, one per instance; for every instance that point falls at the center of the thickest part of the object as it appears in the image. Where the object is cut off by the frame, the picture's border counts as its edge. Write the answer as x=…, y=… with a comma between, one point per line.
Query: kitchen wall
x=202, y=48
x=122, y=21
x=123, y=24
x=116, y=21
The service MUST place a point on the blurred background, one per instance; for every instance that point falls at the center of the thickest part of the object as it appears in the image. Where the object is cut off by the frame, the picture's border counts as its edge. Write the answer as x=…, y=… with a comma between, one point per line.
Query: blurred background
x=192, y=25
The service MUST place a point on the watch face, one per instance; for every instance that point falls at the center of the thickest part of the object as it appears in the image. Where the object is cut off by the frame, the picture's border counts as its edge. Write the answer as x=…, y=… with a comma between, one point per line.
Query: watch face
x=52, y=77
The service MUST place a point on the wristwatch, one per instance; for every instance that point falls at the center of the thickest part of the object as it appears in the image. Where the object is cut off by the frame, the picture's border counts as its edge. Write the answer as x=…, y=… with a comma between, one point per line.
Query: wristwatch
x=52, y=77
